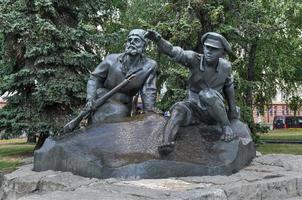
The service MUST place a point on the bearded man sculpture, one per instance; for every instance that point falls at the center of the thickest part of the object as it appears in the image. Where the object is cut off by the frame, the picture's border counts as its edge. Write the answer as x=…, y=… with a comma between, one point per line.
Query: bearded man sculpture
x=113, y=70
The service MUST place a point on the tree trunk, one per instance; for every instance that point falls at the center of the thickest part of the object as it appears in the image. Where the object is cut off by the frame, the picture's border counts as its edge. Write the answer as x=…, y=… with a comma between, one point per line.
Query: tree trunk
x=251, y=74
x=206, y=26
x=43, y=136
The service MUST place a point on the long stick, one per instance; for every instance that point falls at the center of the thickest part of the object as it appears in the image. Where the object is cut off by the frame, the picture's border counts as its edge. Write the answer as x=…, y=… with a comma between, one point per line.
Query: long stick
x=70, y=126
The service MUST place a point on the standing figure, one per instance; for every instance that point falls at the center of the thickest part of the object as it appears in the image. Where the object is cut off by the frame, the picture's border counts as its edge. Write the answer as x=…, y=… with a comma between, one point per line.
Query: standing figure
x=113, y=70
x=210, y=83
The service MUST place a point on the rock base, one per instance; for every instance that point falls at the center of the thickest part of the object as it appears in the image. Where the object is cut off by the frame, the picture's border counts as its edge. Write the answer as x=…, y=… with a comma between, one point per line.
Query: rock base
x=129, y=150
x=269, y=177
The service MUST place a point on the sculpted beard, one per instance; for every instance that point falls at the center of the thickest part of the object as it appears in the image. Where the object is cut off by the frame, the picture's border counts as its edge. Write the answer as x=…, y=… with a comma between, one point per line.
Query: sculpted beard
x=129, y=51
x=132, y=49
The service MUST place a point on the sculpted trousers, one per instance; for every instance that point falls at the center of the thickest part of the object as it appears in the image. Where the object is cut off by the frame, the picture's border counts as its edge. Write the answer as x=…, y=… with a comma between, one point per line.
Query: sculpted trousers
x=209, y=110
x=116, y=108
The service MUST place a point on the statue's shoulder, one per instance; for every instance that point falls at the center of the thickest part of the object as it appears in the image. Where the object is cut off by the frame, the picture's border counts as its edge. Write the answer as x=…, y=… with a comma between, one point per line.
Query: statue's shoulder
x=192, y=55
x=109, y=60
x=151, y=63
x=225, y=64
x=112, y=57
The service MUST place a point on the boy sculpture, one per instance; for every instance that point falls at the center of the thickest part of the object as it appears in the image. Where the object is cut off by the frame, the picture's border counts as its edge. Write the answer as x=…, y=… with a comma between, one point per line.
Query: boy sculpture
x=210, y=82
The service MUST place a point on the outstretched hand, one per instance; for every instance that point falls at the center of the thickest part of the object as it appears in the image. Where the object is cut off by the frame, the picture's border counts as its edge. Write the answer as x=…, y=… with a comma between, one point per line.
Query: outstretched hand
x=152, y=35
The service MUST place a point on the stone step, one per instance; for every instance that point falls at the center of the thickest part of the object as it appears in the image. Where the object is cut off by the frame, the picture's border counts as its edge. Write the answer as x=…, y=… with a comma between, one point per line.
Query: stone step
x=269, y=177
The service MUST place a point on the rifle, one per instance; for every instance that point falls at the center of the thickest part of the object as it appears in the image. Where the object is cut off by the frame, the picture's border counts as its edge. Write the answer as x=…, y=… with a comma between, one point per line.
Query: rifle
x=70, y=126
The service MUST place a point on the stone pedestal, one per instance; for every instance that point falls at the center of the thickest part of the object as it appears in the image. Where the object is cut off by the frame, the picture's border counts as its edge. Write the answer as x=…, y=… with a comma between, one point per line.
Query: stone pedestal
x=129, y=150
x=269, y=177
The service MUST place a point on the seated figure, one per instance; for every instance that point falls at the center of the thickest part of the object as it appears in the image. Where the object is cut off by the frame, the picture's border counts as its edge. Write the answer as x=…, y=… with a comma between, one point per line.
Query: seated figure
x=210, y=83
x=113, y=70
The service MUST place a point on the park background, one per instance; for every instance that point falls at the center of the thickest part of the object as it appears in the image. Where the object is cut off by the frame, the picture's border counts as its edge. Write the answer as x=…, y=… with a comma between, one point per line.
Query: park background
x=49, y=47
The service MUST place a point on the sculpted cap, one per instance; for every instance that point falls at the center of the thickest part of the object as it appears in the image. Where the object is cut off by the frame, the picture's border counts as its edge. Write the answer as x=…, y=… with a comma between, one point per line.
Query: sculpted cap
x=216, y=40
x=138, y=32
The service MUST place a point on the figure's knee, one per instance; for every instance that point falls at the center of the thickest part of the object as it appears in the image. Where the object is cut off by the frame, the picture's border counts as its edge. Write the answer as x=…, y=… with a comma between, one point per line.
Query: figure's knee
x=211, y=98
x=180, y=114
x=179, y=109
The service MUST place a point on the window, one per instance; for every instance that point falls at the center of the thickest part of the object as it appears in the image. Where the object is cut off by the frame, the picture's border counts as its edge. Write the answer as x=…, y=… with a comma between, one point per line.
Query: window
x=271, y=112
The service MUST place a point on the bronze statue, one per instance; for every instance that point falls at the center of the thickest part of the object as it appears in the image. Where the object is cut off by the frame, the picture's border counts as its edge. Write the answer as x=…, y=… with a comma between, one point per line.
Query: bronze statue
x=123, y=150
x=210, y=83
x=116, y=80
x=113, y=70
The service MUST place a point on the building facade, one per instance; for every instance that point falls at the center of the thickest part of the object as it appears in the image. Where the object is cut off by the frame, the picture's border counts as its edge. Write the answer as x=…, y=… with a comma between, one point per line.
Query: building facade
x=278, y=108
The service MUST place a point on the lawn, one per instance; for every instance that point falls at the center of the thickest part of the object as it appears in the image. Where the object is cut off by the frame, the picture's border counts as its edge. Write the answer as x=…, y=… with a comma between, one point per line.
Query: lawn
x=12, y=152
x=295, y=149
x=281, y=135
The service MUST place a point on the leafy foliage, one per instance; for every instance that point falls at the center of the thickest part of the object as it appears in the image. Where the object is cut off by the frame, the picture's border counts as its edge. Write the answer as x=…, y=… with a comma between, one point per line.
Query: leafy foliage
x=265, y=35
x=49, y=47
x=176, y=22
x=295, y=104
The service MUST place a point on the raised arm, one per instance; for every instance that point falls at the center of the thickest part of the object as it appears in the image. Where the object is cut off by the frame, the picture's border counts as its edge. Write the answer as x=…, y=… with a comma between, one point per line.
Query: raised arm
x=163, y=45
x=176, y=53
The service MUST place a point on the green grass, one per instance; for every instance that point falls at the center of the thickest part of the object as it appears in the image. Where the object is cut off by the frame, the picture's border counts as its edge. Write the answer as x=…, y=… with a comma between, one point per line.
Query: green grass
x=7, y=165
x=283, y=134
x=12, y=152
x=295, y=149
x=15, y=150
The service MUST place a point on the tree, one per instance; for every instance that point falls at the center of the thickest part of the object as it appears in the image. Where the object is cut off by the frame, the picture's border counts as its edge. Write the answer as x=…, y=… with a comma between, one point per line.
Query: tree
x=295, y=104
x=49, y=48
x=44, y=40
x=176, y=21
x=265, y=35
